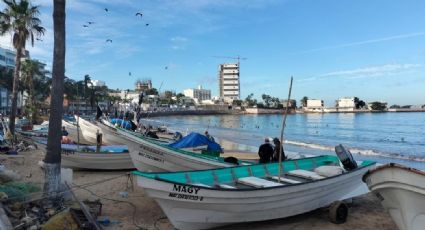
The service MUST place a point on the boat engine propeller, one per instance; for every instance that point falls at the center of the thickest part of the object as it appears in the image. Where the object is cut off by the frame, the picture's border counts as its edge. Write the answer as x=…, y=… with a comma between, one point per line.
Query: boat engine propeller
x=345, y=157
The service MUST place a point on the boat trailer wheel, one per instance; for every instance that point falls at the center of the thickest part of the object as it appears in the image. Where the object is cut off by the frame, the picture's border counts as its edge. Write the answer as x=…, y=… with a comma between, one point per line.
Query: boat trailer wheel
x=338, y=212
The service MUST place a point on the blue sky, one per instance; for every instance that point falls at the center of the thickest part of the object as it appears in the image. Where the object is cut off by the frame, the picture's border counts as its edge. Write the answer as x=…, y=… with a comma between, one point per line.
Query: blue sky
x=371, y=49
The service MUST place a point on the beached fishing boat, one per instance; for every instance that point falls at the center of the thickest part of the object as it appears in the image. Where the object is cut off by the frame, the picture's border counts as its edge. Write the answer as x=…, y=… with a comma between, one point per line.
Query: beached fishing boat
x=212, y=198
x=107, y=157
x=402, y=193
x=109, y=134
x=102, y=160
x=157, y=156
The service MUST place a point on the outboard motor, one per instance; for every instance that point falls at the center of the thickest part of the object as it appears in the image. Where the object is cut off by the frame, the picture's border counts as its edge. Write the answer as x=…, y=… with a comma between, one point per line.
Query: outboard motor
x=345, y=157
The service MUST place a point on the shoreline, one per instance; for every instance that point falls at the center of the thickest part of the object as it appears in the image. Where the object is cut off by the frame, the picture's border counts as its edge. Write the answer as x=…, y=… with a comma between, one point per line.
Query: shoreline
x=147, y=114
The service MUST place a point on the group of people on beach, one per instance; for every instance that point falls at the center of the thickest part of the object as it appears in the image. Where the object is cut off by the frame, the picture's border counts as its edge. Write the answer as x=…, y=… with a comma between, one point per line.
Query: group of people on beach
x=269, y=153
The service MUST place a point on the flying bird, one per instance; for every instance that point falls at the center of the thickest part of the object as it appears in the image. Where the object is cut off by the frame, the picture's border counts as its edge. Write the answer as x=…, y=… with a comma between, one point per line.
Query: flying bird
x=129, y=73
x=147, y=24
x=39, y=39
x=166, y=67
x=109, y=40
x=106, y=9
x=85, y=26
x=138, y=13
x=90, y=23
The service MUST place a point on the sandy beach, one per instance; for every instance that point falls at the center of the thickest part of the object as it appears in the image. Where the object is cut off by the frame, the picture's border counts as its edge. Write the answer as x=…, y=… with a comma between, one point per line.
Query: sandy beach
x=365, y=212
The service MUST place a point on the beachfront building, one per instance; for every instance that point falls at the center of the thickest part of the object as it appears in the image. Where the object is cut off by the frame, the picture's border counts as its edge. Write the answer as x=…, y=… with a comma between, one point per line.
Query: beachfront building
x=198, y=94
x=127, y=95
x=229, y=81
x=98, y=83
x=314, y=105
x=346, y=104
x=7, y=63
x=143, y=85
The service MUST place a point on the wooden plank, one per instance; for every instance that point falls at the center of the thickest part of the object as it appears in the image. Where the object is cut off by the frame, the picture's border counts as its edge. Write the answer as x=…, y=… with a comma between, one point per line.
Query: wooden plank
x=257, y=182
x=285, y=180
x=305, y=174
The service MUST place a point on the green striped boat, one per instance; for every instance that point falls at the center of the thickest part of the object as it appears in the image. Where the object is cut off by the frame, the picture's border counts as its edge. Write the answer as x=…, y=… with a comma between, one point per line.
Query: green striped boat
x=216, y=197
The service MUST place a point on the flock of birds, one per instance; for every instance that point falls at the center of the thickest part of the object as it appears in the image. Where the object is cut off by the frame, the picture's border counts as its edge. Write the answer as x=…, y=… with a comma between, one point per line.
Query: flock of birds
x=89, y=23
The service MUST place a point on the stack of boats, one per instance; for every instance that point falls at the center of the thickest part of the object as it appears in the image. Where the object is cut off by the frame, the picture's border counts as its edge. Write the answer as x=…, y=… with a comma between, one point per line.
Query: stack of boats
x=198, y=189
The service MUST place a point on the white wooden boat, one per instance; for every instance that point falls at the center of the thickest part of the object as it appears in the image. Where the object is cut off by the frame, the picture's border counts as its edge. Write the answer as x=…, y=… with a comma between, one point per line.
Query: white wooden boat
x=155, y=156
x=402, y=193
x=109, y=157
x=212, y=198
x=110, y=135
x=94, y=160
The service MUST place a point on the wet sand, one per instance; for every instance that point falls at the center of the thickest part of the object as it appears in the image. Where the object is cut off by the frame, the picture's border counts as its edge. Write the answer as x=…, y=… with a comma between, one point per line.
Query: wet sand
x=365, y=212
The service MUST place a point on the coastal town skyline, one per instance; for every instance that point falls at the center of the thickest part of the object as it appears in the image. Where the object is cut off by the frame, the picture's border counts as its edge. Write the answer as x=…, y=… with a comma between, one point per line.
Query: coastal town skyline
x=375, y=53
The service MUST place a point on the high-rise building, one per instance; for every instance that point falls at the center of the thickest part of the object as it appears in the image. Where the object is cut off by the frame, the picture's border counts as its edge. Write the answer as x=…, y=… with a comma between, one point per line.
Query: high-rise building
x=7, y=63
x=229, y=83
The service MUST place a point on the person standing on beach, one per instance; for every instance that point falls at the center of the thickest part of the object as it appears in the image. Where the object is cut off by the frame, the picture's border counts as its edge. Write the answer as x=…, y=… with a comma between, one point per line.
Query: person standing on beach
x=265, y=152
x=277, y=146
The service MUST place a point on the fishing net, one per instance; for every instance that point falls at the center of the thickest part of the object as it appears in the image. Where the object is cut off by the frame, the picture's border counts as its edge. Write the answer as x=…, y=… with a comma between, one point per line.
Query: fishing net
x=18, y=190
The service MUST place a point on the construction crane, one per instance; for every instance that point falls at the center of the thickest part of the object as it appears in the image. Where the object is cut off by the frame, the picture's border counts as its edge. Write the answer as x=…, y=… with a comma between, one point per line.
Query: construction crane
x=239, y=58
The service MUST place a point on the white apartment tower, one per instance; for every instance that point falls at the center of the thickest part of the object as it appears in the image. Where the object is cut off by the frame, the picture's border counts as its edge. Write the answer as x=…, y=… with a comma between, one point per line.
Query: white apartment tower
x=229, y=83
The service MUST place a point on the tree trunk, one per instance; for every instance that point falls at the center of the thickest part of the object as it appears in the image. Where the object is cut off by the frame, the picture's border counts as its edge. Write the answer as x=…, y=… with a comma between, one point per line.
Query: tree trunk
x=52, y=160
x=15, y=90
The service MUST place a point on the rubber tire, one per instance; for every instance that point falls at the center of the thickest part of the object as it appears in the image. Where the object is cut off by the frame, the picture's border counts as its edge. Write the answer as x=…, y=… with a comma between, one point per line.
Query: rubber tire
x=338, y=212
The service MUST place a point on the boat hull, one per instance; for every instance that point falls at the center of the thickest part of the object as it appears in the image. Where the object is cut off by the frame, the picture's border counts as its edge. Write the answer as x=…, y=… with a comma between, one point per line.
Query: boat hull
x=99, y=161
x=201, y=208
x=109, y=134
x=151, y=157
x=402, y=193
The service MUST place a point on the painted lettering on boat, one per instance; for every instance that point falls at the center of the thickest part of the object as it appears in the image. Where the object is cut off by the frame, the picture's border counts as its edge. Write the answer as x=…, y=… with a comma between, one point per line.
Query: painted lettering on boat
x=186, y=189
x=185, y=196
x=150, y=150
x=151, y=157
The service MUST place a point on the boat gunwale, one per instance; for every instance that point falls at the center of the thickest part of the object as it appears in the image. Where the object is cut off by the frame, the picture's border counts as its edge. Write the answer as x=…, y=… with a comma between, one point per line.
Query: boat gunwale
x=217, y=188
x=391, y=166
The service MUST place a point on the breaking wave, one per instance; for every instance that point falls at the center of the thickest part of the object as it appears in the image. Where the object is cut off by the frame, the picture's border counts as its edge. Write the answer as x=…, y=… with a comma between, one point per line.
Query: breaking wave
x=358, y=151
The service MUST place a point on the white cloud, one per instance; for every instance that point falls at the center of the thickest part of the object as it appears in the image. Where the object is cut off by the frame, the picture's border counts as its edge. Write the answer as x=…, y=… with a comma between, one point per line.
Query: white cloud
x=364, y=72
x=359, y=43
x=372, y=71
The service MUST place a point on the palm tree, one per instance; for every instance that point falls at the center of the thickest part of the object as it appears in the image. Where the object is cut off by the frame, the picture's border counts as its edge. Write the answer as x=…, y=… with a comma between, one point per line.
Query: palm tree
x=19, y=19
x=30, y=68
x=304, y=101
x=52, y=160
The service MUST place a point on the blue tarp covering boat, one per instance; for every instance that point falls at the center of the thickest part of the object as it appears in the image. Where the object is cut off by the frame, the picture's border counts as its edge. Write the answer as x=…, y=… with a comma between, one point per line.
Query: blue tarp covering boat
x=195, y=140
x=121, y=123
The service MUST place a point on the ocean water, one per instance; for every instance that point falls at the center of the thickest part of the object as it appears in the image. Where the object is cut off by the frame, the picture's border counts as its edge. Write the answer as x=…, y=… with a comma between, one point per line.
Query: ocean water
x=384, y=137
